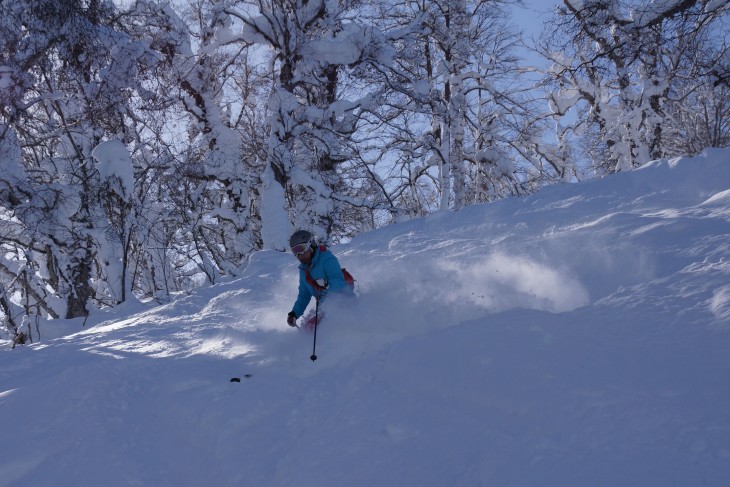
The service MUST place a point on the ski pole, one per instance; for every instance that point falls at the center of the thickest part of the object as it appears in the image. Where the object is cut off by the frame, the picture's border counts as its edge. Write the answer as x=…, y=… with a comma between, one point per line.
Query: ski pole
x=313, y=357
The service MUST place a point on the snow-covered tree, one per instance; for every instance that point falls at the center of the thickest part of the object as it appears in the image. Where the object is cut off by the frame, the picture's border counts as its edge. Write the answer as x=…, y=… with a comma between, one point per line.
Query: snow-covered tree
x=59, y=110
x=454, y=126
x=309, y=44
x=617, y=65
x=701, y=121
x=70, y=74
x=216, y=179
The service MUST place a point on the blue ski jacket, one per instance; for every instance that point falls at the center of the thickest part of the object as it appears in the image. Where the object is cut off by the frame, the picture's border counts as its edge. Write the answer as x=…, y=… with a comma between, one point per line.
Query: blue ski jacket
x=326, y=271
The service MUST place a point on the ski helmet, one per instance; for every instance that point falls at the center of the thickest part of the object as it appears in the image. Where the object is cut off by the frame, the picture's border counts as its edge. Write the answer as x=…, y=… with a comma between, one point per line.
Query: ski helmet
x=301, y=237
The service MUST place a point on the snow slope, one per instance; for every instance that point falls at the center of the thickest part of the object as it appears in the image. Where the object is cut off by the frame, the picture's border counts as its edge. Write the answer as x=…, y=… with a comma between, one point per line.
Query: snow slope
x=576, y=337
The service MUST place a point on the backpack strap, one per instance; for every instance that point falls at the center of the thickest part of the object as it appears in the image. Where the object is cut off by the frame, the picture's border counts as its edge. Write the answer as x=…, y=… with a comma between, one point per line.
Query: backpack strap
x=313, y=283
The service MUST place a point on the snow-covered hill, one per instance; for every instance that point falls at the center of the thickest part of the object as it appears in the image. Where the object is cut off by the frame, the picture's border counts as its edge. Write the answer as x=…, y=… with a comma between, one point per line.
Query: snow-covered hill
x=576, y=337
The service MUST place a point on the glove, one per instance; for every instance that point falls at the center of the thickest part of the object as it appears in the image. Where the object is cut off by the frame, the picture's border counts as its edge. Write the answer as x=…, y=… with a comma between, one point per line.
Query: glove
x=291, y=319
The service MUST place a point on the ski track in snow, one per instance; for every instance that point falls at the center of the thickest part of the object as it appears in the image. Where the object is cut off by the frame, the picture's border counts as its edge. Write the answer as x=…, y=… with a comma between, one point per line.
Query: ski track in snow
x=575, y=337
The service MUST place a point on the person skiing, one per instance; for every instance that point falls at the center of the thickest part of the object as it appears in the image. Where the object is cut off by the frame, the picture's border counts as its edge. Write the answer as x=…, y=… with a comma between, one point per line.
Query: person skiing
x=320, y=274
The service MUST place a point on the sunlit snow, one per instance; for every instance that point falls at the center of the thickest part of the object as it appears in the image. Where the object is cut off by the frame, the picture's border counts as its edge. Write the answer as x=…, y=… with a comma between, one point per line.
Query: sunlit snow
x=576, y=337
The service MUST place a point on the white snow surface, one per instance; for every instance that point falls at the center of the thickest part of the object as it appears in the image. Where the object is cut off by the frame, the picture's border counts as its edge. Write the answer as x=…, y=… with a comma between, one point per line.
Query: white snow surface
x=576, y=337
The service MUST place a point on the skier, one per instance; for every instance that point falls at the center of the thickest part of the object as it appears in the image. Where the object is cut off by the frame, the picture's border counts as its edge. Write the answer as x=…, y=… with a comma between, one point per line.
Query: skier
x=320, y=274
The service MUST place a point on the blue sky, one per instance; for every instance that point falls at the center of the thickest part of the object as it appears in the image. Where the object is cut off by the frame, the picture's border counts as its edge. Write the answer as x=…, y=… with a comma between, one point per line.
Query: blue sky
x=529, y=19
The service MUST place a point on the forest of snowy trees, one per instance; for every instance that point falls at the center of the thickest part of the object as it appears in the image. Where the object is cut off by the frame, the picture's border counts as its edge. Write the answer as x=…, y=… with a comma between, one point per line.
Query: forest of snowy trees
x=147, y=147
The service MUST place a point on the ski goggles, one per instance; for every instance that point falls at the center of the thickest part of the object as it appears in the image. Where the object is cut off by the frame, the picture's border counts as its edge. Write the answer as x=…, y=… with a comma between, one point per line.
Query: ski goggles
x=300, y=249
